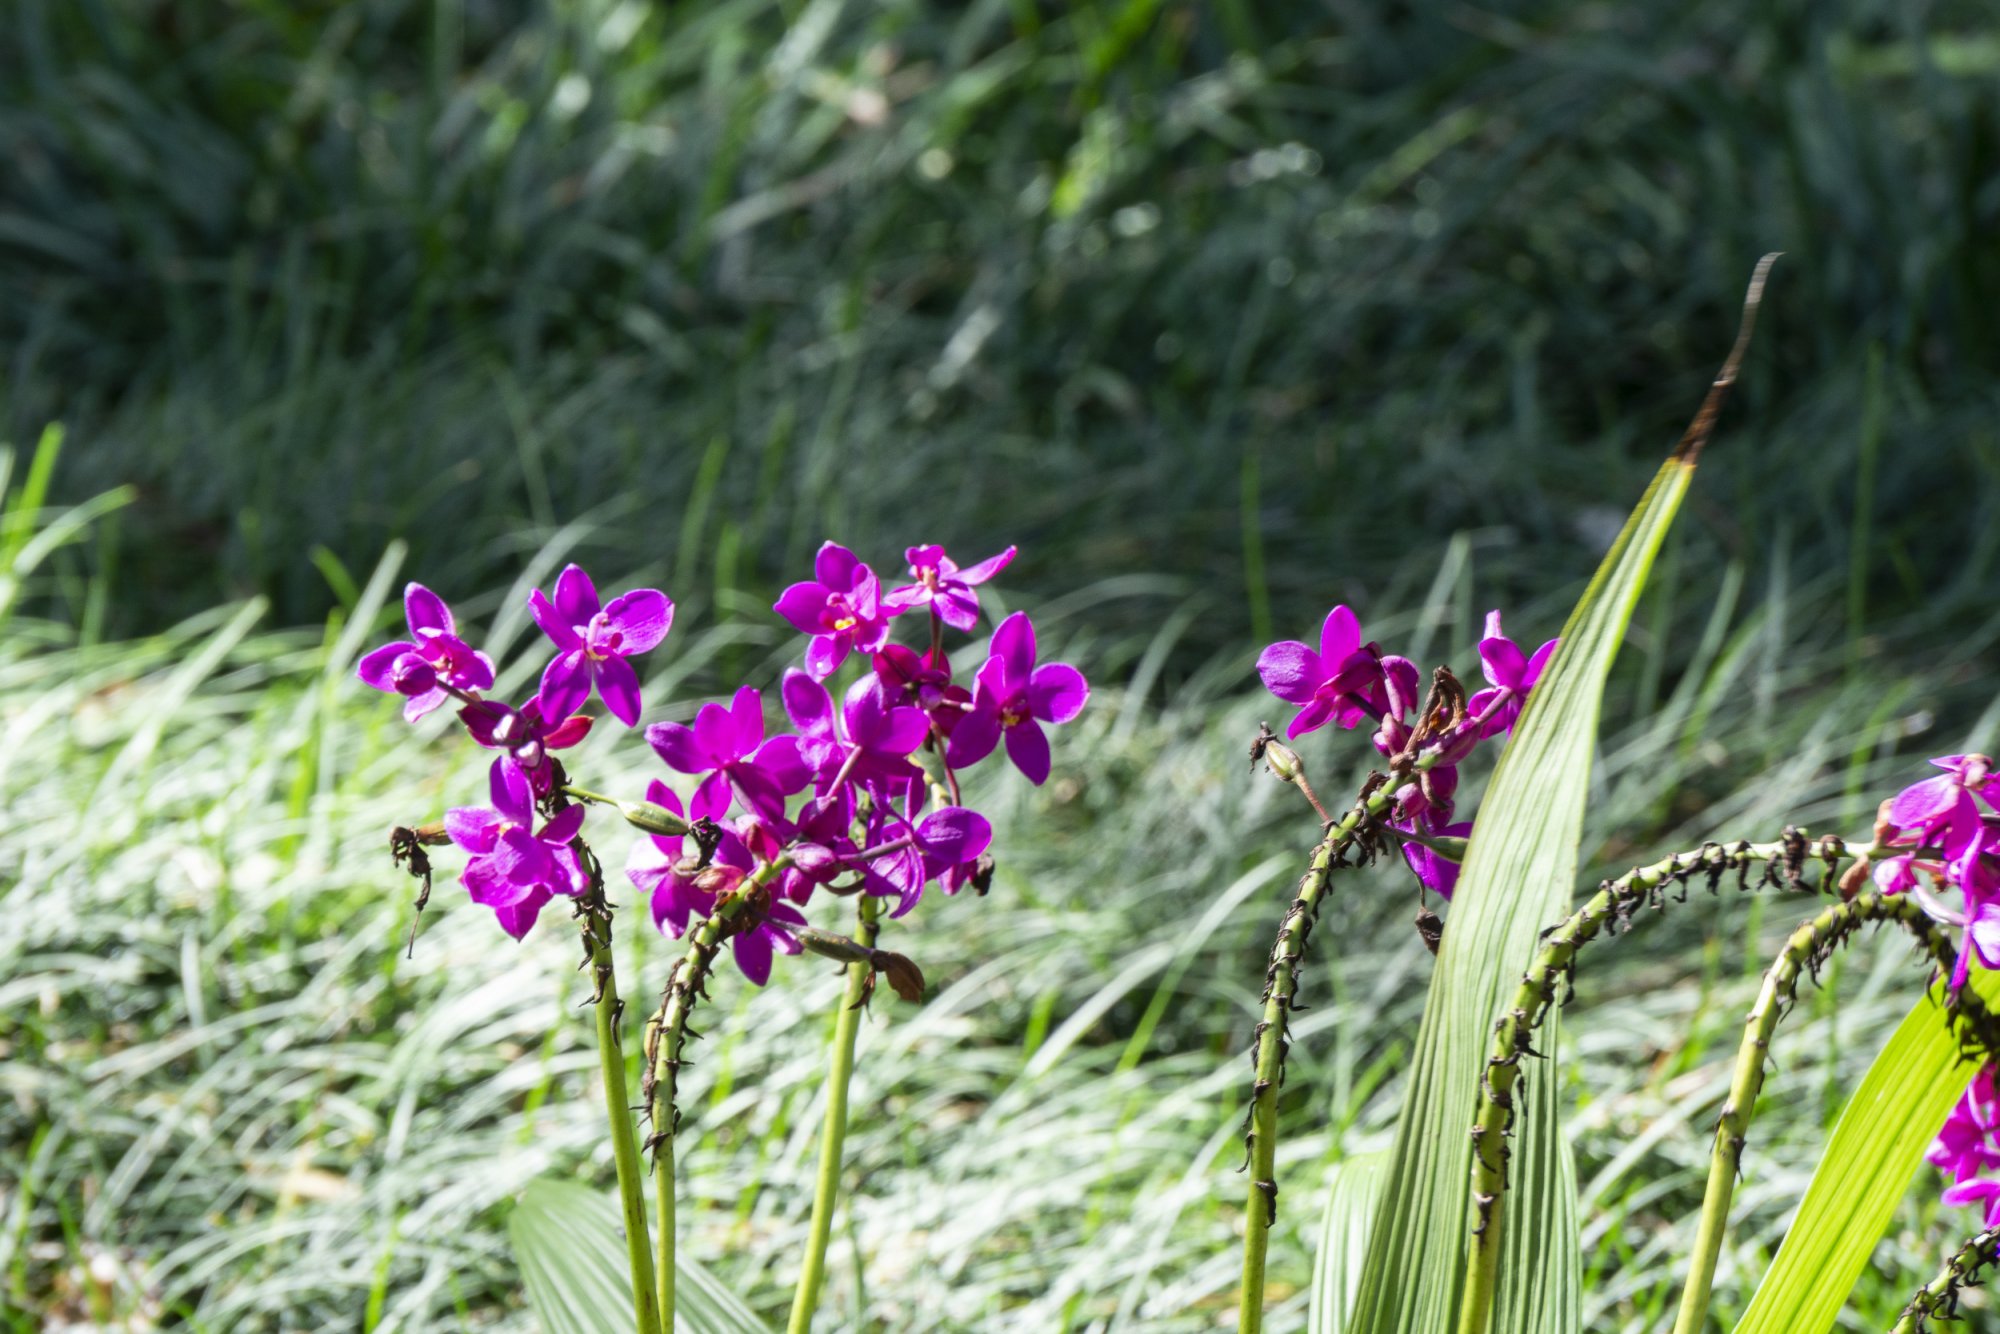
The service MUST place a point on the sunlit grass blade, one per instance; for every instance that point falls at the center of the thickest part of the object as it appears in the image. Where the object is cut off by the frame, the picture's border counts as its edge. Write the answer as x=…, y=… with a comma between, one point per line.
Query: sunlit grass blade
x=1865, y=1172
x=1517, y=879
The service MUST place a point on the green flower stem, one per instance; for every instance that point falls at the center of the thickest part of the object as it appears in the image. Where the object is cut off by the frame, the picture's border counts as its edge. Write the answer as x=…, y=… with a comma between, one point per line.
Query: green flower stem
x=1513, y=1035
x=667, y=1036
x=1938, y=1299
x=624, y=1149
x=1280, y=992
x=1807, y=949
x=833, y=1137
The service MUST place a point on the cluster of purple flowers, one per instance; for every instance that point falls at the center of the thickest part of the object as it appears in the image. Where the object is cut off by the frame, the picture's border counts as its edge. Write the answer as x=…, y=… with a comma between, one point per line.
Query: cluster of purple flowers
x=876, y=772
x=1946, y=838
x=1346, y=681
x=1968, y=1148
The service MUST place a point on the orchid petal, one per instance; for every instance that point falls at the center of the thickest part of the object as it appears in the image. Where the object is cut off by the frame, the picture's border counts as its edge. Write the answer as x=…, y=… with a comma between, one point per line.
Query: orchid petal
x=425, y=610
x=1014, y=645
x=804, y=605
x=986, y=569
x=618, y=687
x=560, y=632
x=1028, y=748
x=376, y=667
x=1339, y=634
x=1057, y=692
x=1291, y=671
x=565, y=684
x=641, y=617
x=576, y=595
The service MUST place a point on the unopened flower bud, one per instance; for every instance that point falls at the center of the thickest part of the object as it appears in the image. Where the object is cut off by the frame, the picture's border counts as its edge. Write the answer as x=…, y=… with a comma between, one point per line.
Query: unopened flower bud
x=1283, y=761
x=830, y=946
x=653, y=819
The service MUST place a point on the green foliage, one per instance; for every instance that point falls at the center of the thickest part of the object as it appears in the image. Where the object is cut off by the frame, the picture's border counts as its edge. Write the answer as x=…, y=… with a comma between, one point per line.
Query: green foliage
x=1519, y=875
x=1876, y=1147
x=759, y=272
x=1351, y=1200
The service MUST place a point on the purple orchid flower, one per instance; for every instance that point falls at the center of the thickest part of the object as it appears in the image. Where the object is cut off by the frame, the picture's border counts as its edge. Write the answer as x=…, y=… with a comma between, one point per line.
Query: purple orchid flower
x=655, y=860
x=1965, y=1145
x=946, y=839
x=1984, y=1192
x=524, y=735
x=820, y=847
x=432, y=663
x=1510, y=676
x=1943, y=809
x=728, y=745
x=1014, y=697
x=924, y=682
x=840, y=607
x=1436, y=871
x=943, y=586
x=1342, y=682
x=594, y=642
x=679, y=892
x=516, y=868
x=875, y=743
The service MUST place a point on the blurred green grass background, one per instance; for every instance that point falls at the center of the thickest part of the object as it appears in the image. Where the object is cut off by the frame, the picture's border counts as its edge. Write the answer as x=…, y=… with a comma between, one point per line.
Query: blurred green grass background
x=1223, y=312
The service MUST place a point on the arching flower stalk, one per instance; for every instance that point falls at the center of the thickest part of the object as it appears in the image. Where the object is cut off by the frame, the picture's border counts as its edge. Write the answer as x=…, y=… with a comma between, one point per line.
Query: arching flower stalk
x=1938, y=1299
x=1807, y=950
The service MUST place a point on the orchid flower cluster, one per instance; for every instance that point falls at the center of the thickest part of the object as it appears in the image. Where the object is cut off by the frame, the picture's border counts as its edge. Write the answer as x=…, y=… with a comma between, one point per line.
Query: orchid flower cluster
x=1942, y=836
x=1348, y=682
x=861, y=797
x=873, y=819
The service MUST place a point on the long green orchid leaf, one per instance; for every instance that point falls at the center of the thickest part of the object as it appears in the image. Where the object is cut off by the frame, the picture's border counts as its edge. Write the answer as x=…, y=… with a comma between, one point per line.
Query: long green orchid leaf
x=567, y=1243
x=1876, y=1148
x=1517, y=879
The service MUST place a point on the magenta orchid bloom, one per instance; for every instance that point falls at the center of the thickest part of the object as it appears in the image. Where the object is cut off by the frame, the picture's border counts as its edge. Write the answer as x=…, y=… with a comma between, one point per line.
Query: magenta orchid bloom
x=1438, y=873
x=1966, y=1151
x=1510, y=677
x=524, y=735
x=1011, y=696
x=432, y=663
x=654, y=867
x=925, y=682
x=821, y=845
x=1965, y=1147
x=680, y=894
x=943, y=586
x=840, y=607
x=1943, y=810
x=728, y=745
x=516, y=868
x=869, y=740
x=944, y=840
x=1342, y=682
x=594, y=642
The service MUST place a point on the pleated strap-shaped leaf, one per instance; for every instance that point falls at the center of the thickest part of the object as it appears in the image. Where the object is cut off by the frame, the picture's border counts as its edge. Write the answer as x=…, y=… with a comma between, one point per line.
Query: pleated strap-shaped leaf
x=566, y=1240
x=1875, y=1150
x=1343, y=1240
x=1518, y=876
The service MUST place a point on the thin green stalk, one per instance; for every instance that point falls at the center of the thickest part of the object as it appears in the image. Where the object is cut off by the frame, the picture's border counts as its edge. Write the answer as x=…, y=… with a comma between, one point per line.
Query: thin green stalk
x=1808, y=948
x=1513, y=1035
x=1280, y=992
x=1938, y=1299
x=668, y=1035
x=624, y=1148
x=833, y=1137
